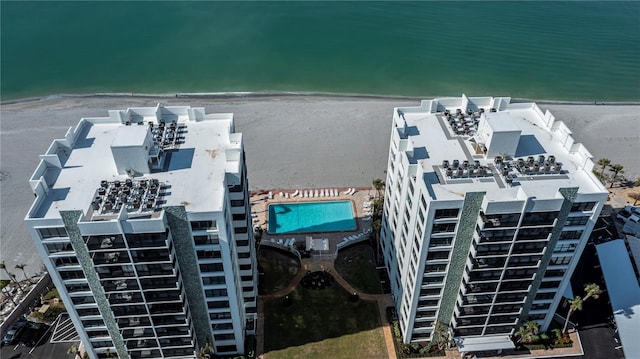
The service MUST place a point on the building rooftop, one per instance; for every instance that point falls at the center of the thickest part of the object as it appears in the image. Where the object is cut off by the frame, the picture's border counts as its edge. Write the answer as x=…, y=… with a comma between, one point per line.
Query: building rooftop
x=489, y=144
x=181, y=150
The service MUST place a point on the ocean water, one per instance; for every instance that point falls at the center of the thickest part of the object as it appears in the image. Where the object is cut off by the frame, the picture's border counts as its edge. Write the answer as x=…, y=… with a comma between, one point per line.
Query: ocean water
x=586, y=51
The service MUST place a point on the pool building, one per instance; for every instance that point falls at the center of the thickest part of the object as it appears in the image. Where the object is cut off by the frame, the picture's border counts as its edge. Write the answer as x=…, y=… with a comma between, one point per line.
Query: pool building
x=142, y=221
x=488, y=206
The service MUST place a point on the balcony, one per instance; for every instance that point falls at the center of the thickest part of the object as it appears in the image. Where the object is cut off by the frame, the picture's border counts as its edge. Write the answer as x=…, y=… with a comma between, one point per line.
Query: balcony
x=125, y=298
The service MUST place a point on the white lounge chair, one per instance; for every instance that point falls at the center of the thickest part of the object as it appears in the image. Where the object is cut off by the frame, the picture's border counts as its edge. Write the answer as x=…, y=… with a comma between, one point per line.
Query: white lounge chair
x=281, y=194
x=321, y=193
x=280, y=241
x=295, y=193
x=286, y=195
x=353, y=191
x=316, y=193
x=270, y=196
x=333, y=193
x=305, y=194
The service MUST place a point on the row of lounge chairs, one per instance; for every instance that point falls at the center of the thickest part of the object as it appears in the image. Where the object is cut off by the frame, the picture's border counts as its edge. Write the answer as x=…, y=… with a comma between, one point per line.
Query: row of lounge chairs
x=284, y=242
x=313, y=193
x=317, y=193
x=356, y=237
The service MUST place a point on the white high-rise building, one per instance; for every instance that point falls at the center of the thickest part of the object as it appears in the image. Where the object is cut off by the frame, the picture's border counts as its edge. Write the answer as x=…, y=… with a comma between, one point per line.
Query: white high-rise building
x=488, y=207
x=142, y=218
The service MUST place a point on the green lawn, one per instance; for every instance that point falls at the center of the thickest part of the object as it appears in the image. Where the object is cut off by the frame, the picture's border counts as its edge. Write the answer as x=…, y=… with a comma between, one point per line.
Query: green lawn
x=366, y=344
x=279, y=269
x=356, y=265
x=322, y=324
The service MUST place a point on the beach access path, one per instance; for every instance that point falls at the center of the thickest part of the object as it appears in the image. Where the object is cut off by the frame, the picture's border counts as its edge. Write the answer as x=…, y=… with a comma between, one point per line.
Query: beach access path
x=291, y=141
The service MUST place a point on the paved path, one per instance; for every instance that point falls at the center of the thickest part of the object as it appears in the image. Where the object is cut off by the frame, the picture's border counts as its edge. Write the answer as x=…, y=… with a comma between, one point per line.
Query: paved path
x=317, y=264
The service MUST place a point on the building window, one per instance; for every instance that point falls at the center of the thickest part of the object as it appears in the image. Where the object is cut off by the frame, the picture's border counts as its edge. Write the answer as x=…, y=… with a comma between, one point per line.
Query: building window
x=525, y=234
x=447, y=213
x=219, y=316
x=239, y=216
x=440, y=242
x=551, y=284
x=582, y=206
x=569, y=235
x=58, y=247
x=245, y=266
x=209, y=254
x=216, y=292
x=539, y=218
x=437, y=255
x=444, y=227
x=226, y=336
x=203, y=225
x=225, y=348
x=218, y=304
x=211, y=267
x=242, y=242
x=560, y=260
x=540, y=306
x=545, y=296
x=53, y=232
x=73, y=274
x=213, y=280
x=240, y=230
x=237, y=203
x=222, y=326
x=577, y=221
x=203, y=240
x=565, y=247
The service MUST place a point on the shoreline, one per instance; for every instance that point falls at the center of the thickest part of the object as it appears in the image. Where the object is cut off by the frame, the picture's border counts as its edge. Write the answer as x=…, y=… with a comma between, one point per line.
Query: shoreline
x=271, y=94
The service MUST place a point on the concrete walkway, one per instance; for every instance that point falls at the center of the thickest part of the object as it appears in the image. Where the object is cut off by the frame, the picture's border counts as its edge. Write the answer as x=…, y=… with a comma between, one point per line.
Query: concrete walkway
x=318, y=264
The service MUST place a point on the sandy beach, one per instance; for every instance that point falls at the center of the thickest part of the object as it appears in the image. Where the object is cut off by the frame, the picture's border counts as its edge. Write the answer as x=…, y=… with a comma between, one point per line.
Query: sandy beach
x=290, y=142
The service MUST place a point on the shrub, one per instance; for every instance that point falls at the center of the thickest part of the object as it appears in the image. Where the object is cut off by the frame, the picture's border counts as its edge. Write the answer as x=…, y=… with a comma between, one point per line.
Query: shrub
x=396, y=330
x=53, y=293
x=4, y=283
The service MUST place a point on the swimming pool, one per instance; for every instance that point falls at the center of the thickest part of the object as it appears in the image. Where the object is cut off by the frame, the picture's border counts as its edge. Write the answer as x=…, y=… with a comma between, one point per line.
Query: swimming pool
x=311, y=217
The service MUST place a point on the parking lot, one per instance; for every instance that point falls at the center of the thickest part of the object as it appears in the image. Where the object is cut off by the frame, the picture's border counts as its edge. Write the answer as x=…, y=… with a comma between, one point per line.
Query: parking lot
x=39, y=341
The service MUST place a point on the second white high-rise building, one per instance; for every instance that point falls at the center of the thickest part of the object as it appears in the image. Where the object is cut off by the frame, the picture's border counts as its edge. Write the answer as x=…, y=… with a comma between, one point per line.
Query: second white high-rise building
x=488, y=207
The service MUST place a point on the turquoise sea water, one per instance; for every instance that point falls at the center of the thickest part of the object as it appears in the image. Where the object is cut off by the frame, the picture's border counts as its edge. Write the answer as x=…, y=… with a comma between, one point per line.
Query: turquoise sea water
x=541, y=50
x=311, y=217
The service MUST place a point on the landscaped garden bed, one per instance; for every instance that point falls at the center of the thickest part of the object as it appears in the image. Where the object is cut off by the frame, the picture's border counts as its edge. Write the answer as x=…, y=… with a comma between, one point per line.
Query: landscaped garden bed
x=357, y=266
x=413, y=350
x=279, y=268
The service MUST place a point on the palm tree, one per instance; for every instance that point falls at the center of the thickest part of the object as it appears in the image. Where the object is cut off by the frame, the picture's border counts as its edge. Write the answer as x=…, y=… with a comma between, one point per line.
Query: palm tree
x=74, y=350
x=24, y=274
x=603, y=162
x=378, y=184
x=526, y=332
x=591, y=290
x=440, y=335
x=11, y=275
x=205, y=351
x=616, y=169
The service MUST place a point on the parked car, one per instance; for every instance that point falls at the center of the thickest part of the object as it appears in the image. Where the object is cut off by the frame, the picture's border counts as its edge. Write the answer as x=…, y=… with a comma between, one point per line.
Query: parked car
x=33, y=333
x=14, y=332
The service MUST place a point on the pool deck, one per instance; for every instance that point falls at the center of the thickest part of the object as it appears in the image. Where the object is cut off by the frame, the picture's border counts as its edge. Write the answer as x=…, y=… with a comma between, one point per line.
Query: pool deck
x=260, y=201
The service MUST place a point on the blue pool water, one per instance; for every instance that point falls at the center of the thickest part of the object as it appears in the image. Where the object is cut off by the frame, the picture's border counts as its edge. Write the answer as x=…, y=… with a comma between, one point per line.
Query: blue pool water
x=311, y=217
